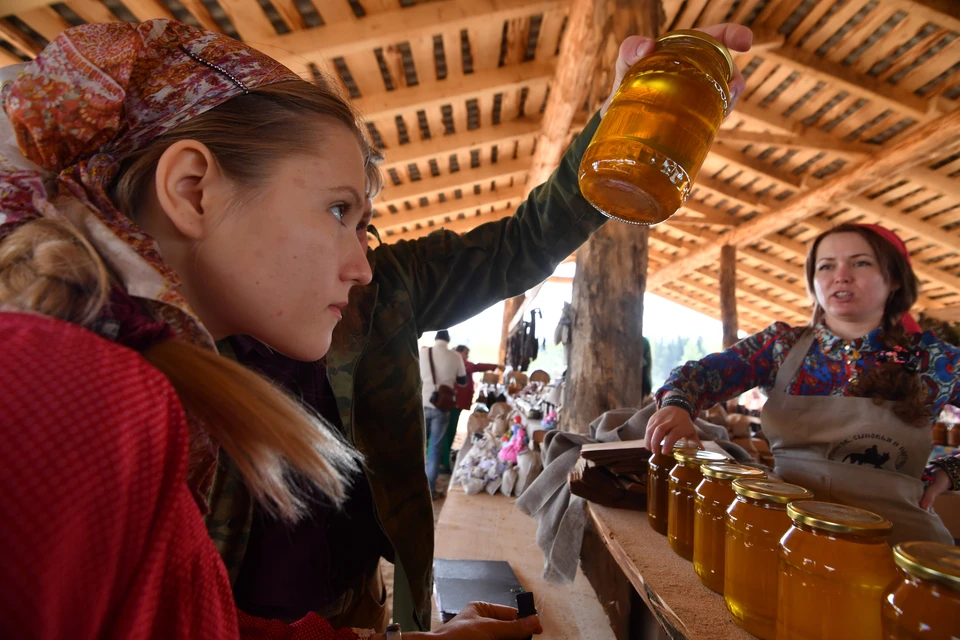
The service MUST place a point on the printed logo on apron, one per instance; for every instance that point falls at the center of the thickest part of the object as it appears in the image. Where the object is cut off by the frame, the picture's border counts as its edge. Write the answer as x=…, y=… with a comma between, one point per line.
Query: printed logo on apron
x=870, y=450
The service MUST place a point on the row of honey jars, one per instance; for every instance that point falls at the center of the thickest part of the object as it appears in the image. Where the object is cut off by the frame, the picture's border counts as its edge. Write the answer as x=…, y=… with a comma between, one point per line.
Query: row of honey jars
x=834, y=566
x=684, y=478
x=756, y=520
x=923, y=602
x=714, y=496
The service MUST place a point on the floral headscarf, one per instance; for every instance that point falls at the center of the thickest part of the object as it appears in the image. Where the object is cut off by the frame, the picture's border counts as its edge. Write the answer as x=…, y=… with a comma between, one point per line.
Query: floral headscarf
x=94, y=95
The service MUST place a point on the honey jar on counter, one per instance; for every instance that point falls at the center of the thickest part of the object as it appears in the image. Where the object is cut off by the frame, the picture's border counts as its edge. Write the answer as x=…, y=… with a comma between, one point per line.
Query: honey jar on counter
x=684, y=478
x=713, y=497
x=658, y=481
x=834, y=567
x=923, y=602
x=643, y=159
x=756, y=520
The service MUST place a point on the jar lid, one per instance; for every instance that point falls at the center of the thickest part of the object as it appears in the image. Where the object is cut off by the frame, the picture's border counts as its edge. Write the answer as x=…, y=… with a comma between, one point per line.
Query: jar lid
x=770, y=490
x=930, y=561
x=731, y=471
x=700, y=35
x=697, y=456
x=838, y=518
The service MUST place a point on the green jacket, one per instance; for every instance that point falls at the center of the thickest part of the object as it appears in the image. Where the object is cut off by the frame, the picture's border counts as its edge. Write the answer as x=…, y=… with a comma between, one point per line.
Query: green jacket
x=423, y=285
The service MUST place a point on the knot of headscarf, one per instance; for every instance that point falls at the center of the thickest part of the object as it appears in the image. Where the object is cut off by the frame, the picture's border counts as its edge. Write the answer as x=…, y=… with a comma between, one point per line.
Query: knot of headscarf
x=93, y=96
x=910, y=325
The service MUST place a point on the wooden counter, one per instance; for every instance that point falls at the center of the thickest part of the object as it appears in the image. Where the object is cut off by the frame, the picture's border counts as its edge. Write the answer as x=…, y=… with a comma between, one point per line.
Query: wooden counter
x=485, y=527
x=684, y=608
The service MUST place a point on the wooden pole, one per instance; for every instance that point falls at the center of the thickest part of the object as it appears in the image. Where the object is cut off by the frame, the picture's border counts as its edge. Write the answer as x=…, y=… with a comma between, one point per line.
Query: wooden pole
x=510, y=308
x=606, y=364
x=728, y=295
x=938, y=137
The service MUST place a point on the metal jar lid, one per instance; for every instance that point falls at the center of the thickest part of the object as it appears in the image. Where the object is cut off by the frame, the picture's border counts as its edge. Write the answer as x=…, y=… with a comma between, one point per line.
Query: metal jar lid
x=770, y=490
x=731, y=471
x=692, y=456
x=838, y=518
x=930, y=561
x=700, y=35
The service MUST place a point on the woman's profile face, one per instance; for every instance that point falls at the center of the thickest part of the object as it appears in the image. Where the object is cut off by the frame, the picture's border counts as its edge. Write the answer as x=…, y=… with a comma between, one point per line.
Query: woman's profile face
x=280, y=266
x=848, y=281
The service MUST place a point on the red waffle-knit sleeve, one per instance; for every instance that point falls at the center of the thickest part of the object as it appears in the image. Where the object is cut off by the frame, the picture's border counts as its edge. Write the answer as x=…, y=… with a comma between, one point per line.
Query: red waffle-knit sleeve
x=100, y=537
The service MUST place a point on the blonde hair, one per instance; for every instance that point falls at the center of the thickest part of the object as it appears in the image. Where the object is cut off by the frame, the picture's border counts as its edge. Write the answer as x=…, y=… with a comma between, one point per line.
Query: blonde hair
x=47, y=267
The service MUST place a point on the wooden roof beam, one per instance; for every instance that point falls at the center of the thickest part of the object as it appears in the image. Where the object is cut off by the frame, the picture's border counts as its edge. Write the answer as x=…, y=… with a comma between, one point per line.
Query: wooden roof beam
x=442, y=146
x=937, y=137
x=841, y=77
x=449, y=209
x=749, y=290
x=457, y=226
x=463, y=180
x=343, y=38
x=428, y=95
x=805, y=141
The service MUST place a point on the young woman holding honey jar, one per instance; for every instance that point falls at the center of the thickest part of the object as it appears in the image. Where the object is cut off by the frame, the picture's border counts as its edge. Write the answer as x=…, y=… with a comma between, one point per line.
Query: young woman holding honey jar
x=852, y=396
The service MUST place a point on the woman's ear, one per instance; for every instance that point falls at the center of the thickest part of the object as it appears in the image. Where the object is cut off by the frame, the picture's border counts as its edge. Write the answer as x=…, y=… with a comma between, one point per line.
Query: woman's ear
x=191, y=188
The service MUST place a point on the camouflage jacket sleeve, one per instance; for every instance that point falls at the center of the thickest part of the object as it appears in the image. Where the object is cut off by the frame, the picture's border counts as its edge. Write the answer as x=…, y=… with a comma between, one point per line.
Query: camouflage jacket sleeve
x=451, y=277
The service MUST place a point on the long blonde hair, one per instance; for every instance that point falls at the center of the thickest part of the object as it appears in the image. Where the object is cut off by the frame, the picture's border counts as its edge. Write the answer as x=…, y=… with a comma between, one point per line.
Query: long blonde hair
x=48, y=267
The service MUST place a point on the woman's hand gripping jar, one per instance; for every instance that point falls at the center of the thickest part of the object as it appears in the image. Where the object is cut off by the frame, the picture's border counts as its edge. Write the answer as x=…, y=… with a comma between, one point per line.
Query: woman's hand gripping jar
x=645, y=155
x=835, y=565
x=756, y=521
x=684, y=478
x=713, y=497
x=923, y=602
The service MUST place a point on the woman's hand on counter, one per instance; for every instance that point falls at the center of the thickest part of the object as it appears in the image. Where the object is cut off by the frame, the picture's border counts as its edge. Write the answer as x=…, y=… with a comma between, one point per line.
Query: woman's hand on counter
x=484, y=621
x=941, y=483
x=667, y=426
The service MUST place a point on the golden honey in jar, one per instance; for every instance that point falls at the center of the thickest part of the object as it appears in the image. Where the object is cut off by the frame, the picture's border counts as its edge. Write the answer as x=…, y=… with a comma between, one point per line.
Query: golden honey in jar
x=923, y=602
x=756, y=520
x=658, y=481
x=684, y=478
x=834, y=566
x=713, y=497
x=643, y=159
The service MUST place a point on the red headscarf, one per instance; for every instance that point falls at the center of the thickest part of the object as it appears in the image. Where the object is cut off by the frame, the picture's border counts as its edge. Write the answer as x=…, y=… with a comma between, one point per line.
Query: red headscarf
x=909, y=324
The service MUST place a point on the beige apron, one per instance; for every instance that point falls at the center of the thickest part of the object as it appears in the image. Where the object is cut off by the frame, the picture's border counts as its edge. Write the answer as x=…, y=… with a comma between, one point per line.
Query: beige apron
x=852, y=451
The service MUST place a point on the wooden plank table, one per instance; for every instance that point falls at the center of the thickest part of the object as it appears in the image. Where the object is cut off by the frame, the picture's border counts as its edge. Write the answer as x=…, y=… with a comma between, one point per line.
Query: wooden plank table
x=485, y=527
x=667, y=584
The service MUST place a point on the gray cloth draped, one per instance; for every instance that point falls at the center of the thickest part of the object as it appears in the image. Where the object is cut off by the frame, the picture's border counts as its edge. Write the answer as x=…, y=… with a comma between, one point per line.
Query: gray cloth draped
x=561, y=516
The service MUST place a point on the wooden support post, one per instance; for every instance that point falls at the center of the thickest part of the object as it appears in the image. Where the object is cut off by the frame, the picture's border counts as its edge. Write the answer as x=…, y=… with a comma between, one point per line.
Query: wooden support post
x=510, y=308
x=728, y=295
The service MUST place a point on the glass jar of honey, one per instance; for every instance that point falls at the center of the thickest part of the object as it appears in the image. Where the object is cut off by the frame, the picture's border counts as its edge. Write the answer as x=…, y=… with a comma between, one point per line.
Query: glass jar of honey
x=658, y=485
x=923, y=602
x=756, y=520
x=713, y=497
x=684, y=478
x=834, y=567
x=643, y=159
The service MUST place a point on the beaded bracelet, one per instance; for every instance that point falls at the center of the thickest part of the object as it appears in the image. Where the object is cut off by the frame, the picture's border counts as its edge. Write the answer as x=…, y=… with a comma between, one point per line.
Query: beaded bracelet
x=679, y=401
x=951, y=467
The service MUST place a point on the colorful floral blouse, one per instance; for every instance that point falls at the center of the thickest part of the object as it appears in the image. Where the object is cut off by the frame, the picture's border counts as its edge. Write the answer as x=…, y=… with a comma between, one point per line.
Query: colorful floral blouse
x=829, y=368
